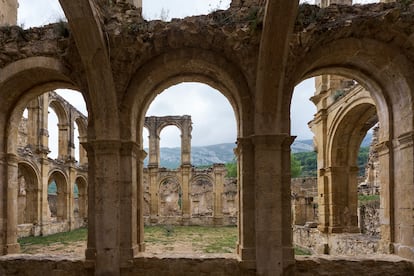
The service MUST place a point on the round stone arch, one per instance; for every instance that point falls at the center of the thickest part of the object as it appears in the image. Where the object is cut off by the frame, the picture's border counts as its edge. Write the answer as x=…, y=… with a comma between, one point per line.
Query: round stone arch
x=82, y=199
x=62, y=194
x=63, y=127
x=186, y=65
x=202, y=195
x=211, y=68
x=344, y=139
x=386, y=72
x=20, y=82
x=170, y=197
x=83, y=138
x=381, y=69
x=28, y=200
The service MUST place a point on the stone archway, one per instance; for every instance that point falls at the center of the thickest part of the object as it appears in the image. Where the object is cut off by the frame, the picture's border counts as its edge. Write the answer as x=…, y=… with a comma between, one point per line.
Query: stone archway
x=28, y=202
x=58, y=202
x=170, y=197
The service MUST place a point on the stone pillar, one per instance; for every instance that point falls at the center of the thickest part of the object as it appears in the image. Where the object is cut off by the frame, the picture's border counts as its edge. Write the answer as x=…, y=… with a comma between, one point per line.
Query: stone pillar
x=90, y=251
x=386, y=197
x=129, y=202
x=185, y=189
x=104, y=178
x=246, y=245
x=186, y=141
x=83, y=159
x=343, y=200
x=8, y=12
x=403, y=195
x=274, y=251
x=153, y=190
x=140, y=200
x=219, y=172
x=71, y=195
x=154, y=148
x=64, y=145
x=12, y=246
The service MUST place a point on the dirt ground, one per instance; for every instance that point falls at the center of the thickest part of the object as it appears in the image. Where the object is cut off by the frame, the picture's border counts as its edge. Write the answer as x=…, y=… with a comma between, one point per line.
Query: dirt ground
x=158, y=241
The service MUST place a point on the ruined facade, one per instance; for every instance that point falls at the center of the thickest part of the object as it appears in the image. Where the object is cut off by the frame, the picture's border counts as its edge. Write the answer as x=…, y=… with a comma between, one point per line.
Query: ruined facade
x=254, y=55
x=185, y=196
x=42, y=209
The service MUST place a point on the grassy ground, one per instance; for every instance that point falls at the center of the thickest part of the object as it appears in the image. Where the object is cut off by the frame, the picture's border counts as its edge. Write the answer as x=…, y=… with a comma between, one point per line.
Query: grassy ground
x=157, y=238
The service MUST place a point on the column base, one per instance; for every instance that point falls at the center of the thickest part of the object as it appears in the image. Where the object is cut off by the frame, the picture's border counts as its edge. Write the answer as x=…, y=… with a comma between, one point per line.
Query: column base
x=12, y=248
x=90, y=253
x=335, y=229
x=323, y=229
x=218, y=221
x=127, y=255
x=154, y=219
x=247, y=256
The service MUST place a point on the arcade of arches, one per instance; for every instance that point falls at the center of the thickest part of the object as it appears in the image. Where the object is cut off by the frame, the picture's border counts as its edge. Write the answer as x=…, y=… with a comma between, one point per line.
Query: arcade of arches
x=254, y=53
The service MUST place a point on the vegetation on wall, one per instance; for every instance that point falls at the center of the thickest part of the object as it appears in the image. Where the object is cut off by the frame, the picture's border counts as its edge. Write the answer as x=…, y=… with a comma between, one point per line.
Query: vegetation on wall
x=308, y=162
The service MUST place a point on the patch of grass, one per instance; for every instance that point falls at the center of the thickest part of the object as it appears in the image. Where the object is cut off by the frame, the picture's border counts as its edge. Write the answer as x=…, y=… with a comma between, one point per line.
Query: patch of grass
x=61, y=238
x=365, y=198
x=302, y=251
x=208, y=239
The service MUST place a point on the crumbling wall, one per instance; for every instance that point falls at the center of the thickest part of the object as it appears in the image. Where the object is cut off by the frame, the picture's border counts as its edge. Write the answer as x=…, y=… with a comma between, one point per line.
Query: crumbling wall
x=369, y=218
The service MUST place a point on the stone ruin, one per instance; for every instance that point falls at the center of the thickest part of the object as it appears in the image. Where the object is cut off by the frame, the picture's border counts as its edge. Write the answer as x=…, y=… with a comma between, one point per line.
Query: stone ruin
x=185, y=196
x=254, y=53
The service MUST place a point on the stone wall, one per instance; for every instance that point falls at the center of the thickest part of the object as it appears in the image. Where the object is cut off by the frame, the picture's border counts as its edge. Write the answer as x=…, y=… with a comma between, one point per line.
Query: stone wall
x=334, y=244
x=369, y=218
x=315, y=266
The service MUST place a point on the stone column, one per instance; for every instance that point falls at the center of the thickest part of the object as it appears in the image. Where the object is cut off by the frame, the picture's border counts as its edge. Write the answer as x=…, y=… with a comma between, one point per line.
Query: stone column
x=274, y=251
x=186, y=141
x=83, y=160
x=154, y=147
x=141, y=155
x=343, y=200
x=104, y=178
x=64, y=130
x=386, y=181
x=71, y=195
x=246, y=245
x=185, y=189
x=128, y=201
x=219, y=172
x=153, y=189
x=403, y=194
x=90, y=251
x=12, y=246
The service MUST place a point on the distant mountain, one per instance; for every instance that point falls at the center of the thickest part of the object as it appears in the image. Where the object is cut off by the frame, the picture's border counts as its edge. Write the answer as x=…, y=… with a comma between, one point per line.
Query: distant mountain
x=219, y=153
x=302, y=146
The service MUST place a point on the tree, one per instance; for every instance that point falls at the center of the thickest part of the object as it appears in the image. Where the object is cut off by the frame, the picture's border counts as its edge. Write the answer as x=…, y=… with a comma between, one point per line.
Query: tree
x=295, y=167
x=231, y=169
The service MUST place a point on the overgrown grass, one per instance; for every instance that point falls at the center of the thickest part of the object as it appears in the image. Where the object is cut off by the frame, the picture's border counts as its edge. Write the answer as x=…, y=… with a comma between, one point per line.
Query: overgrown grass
x=302, y=251
x=366, y=198
x=204, y=239
x=62, y=238
x=208, y=239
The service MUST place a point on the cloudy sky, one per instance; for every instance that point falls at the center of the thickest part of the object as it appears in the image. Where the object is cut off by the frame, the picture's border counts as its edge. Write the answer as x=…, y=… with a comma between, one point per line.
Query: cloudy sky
x=213, y=117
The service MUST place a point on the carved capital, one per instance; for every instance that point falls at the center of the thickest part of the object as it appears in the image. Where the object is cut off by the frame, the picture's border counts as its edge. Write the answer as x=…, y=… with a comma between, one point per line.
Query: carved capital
x=405, y=140
x=273, y=142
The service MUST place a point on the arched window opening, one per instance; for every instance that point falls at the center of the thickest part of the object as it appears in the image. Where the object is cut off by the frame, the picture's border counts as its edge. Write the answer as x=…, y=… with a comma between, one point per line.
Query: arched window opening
x=53, y=132
x=170, y=147
x=198, y=190
x=332, y=194
x=167, y=10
